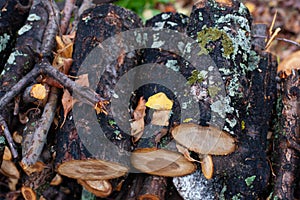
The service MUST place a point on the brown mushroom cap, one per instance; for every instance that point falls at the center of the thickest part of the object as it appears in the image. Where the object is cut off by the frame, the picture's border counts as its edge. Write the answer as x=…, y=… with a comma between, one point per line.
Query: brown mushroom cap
x=204, y=140
x=207, y=166
x=161, y=162
x=92, y=169
x=100, y=188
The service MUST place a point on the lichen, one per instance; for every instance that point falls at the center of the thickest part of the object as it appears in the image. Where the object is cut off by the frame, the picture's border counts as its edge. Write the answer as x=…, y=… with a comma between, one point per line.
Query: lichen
x=4, y=41
x=231, y=122
x=207, y=35
x=33, y=17
x=12, y=57
x=24, y=29
x=236, y=197
x=172, y=23
x=172, y=64
x=249, y=180
x=158, y=26
x=165, y=16
x=213, y=90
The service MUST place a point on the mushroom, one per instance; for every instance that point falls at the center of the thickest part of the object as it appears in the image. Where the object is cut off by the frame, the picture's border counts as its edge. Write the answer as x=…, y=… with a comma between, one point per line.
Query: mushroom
x=161, y=162
x=100, y=188
x=207, y=166
x=205, y=141
x=92, y=169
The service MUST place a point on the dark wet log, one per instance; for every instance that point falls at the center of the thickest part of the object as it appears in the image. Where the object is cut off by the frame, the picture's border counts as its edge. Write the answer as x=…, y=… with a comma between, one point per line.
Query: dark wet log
x=81, y=141
x=289, y=139
x=154, y=188
x=224, y=32
x=22, y=59
x=13, y=14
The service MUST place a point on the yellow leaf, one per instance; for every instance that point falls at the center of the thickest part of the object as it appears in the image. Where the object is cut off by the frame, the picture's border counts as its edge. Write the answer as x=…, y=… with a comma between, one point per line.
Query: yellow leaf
x=159, y=101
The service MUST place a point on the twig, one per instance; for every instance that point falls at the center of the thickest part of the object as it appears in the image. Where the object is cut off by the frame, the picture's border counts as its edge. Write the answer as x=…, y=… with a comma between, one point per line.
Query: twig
x=85, y=95
x=281, y=39
x=39, y=137
x=16, y=89
x=8, y=137
x=67, y=14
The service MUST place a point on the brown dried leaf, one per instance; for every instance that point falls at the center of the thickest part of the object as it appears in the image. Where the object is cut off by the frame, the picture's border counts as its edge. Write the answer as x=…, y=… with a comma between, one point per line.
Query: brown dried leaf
x=67, y=102
x=137, y=125
x=56, y=180
x=185, y=152
x=17, y=137
x=160, y=135
x=52, y=82
x=83, y=80
x=9, y=169
x=289, y=63
x=161, y=117
x=7, y=154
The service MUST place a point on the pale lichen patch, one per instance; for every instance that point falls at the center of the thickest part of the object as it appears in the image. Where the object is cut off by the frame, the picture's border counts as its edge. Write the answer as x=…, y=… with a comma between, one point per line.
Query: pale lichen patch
x=24, y=29
x=4, y=41
x=173, y=64
x=33, y=17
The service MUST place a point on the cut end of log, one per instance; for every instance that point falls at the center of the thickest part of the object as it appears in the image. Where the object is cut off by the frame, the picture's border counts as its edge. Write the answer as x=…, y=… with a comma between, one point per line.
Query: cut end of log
x=28, y=193
x=148, y=197
x=100, y=188
x=207, y=167
x=38, y=91
x=204, y=140
x=225, y=2
x=92, y=169
x=161, y=162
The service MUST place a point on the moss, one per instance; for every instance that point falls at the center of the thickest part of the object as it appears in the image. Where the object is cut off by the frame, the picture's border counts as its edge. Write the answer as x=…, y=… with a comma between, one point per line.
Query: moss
x=213, y=90
x=196, y=77
x=208, y=35
x=4, y=41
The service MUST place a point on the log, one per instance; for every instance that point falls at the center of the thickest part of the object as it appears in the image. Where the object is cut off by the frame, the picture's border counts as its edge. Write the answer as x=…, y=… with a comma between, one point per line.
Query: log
x=13, y=16
x=154, y=188
x=289, y=139
x=244, y=70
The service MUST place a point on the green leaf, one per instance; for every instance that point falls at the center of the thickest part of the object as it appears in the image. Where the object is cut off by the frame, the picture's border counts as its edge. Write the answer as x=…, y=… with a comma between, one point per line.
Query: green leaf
x=250, y=180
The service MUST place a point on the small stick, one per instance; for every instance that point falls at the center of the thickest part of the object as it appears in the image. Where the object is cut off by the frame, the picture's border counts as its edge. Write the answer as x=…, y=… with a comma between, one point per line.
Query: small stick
x=8, y=137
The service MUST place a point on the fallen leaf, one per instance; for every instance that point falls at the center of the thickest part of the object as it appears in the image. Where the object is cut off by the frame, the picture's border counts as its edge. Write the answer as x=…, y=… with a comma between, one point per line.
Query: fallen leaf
x=83, y=80
x=67, y=102
x=7, y=154
x=185, y=152
x=137, y=125
x=161, y=117
x=289, y=63
x=9, y=169
x=207, y=166
x=159, y=101
x=160, y=135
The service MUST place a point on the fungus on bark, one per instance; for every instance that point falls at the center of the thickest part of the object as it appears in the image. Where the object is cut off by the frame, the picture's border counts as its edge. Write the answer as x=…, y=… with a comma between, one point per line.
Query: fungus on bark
x=161, y=162
x=204, y=139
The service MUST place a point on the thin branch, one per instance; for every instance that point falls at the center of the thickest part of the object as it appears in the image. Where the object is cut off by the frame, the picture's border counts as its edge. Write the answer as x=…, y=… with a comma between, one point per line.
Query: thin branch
x=16, y=89
x=39, y=137
x=85, y=95
x=67, y=14
x=8, y=137
x=281, y=39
